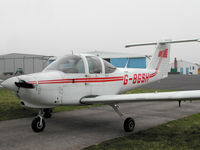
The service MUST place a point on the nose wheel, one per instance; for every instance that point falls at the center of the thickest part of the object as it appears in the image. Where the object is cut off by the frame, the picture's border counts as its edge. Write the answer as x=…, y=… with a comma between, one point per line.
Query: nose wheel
x=129, y=123
x=38, y=123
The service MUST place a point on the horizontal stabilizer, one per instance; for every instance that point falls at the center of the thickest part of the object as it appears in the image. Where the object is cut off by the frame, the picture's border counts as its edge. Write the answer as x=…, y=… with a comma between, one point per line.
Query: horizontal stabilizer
x=163, y=42
x=145, y=97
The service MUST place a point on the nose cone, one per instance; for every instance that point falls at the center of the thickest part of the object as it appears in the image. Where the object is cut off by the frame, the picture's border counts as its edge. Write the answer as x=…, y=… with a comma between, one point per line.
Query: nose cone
x=10, y=84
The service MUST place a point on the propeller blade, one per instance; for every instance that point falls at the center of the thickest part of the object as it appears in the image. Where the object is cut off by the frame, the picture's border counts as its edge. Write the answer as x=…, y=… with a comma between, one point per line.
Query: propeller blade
x=1, y=87
x=24, y=84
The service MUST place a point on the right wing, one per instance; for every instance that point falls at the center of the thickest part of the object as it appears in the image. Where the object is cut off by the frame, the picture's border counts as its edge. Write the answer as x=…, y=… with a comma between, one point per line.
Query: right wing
x=143, y=97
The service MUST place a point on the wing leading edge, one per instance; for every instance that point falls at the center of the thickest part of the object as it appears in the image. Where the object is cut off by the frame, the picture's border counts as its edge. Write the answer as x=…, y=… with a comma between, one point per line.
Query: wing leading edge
x=145, y=97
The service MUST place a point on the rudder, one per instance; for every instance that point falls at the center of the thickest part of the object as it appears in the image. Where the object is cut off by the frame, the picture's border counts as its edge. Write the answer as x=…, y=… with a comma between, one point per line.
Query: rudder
x=161, y=59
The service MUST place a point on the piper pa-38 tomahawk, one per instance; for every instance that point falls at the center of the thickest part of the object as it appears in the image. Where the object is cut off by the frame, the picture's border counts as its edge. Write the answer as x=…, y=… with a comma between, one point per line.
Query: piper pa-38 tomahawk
x=86, y=79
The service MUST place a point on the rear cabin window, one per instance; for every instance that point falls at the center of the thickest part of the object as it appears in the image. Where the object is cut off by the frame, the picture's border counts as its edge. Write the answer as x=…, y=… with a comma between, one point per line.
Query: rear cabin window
x=68, y=64
x=94, y=65
x=109, y=68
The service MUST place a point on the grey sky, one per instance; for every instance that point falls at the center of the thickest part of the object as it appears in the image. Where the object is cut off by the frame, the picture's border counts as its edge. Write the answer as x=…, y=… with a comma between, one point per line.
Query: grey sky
x=55, y=27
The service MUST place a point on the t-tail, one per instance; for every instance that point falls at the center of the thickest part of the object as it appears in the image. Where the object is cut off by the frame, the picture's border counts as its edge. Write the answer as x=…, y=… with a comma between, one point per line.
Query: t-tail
x=160, y=63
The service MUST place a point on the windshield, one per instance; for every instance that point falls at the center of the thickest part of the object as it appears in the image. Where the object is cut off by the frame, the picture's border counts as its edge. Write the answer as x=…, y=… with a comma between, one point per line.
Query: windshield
x=68, y=64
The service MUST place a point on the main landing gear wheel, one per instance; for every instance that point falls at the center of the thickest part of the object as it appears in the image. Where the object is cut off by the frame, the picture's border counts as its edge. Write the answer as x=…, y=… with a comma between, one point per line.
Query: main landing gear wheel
x=38, y=124
x=47, y=113
x=129, y=124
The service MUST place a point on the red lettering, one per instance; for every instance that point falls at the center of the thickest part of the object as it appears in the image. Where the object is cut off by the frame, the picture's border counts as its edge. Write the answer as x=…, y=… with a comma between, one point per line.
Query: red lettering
x=125, y=79
x=143, y=78
x=163, y=53
x=134, y=78
x=147, y=77
x=160, y=54
x=139, y=78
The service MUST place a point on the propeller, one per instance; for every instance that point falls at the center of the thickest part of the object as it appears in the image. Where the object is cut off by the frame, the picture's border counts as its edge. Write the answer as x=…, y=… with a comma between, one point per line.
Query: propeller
x=24, y=84
x=1, y=87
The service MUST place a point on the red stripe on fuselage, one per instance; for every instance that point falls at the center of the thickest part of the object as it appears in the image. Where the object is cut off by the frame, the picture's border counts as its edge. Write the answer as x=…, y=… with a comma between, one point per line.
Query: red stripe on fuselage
x=103, y=78
x=78, y=80
x=85, y=81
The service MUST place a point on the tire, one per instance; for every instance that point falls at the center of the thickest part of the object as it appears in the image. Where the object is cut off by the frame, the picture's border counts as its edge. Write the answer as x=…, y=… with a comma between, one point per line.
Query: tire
x=36, y=125
x=129, y=124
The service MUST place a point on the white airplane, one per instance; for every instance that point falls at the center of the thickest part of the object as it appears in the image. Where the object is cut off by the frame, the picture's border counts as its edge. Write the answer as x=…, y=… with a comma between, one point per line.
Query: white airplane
x=85, y=79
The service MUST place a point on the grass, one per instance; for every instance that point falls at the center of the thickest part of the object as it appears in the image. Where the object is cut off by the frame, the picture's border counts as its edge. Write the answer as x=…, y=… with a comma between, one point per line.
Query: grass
x=146, y=91
x=11, y=109
x=181, y=134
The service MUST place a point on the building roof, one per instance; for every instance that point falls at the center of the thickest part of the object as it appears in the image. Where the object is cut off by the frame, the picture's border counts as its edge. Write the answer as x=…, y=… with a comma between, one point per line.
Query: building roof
x=184, y=61
x=20, y=55
x=104, y=54
x=179, y=61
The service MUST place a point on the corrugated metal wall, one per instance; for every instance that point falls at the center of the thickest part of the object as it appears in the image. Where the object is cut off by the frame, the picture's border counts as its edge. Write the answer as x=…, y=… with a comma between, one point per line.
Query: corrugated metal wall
x=29, y=63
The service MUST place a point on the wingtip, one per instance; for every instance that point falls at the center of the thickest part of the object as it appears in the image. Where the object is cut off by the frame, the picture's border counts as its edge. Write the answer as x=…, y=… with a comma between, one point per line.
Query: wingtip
x=126, y=46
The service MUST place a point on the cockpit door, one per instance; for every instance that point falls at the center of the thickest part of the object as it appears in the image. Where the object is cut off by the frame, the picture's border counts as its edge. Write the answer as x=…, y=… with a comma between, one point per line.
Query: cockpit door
x=74, y=87
x=95, y=75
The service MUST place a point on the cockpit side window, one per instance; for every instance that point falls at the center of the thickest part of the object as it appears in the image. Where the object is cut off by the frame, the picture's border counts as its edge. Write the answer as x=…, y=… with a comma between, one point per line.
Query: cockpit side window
x=109, y=68
x=94, y=64
x=68, y=64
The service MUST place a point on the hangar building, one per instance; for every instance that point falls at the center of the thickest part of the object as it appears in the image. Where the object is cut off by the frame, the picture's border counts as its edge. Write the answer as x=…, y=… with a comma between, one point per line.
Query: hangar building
x=184, y=67
x=22, y=63
x=120, y=60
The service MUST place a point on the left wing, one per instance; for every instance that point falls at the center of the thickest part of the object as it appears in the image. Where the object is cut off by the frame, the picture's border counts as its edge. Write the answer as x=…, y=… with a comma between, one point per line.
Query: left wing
x=145, y=97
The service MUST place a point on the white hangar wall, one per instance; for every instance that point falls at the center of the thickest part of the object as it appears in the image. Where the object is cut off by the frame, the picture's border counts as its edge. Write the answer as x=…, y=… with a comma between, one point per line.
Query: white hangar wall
x=186, y=68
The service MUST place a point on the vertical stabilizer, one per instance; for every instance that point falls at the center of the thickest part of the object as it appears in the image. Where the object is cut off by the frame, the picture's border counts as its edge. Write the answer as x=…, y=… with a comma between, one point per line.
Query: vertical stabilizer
x=160, y=62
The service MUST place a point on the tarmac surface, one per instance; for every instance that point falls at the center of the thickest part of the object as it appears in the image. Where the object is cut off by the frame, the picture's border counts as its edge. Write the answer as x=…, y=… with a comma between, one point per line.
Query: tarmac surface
x=73, y=130
x=177, y=82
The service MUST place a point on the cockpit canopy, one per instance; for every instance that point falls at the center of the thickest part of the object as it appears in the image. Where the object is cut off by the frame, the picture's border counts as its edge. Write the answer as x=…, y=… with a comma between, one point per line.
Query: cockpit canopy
x=77, y=64
x=68, y=64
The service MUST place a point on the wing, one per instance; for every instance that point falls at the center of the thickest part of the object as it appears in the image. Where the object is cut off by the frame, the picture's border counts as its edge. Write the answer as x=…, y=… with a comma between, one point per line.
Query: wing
x=145, y=97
